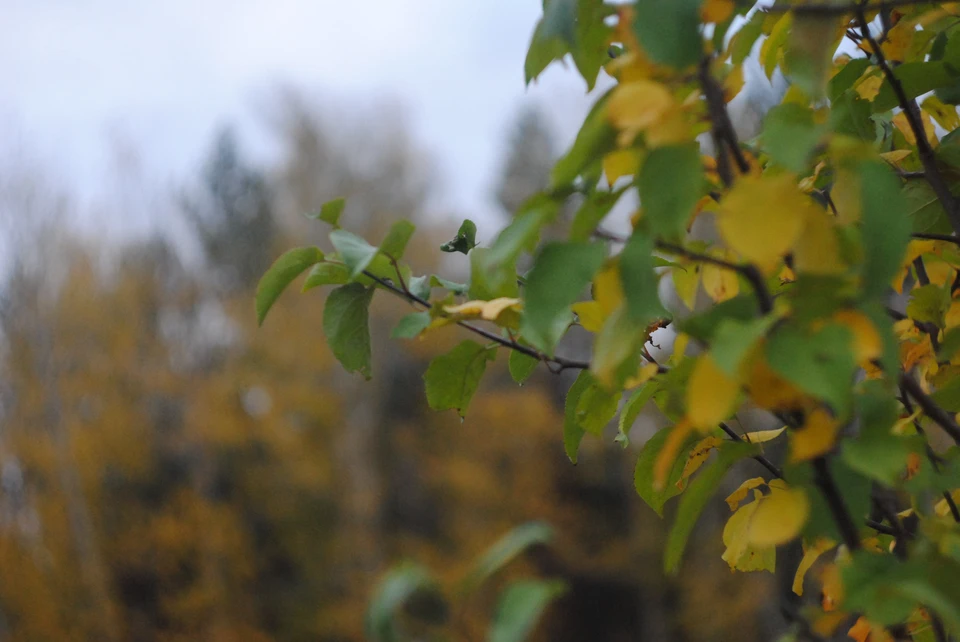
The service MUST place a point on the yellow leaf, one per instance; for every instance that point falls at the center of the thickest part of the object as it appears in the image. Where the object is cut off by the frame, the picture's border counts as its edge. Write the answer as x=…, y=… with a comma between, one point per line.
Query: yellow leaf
x=762, y=436
x=945, y=115
x=817, y=251
x=742, y=554
x=669, y=452
x=697, y=456
x=898, y=40
x=897, y=155
x=747, y=226
x=952, y=318
x=737, y=496
x=646, y=372
x=716, y=10
x=810, y=555
x=769, y=390
x=636, y=106
x=686, y=280
x=607, y=289
x=867, y=343
x=711, y=394
x=623, y=162
x=780, y=515
x=672, y=128
x=900, y=122
x=719, y=283
x=679, y=348
x=846, y=197
x=869, y=84
x=831, y=587
x=942, y=508
x=590, y=315
x=733, y=83
x=487, y=310
x=808, y=184
x=902, y=425
x=815, y=438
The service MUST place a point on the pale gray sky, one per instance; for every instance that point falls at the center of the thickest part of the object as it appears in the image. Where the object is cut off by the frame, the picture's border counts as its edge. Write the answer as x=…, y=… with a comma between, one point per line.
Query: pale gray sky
x=161, y=74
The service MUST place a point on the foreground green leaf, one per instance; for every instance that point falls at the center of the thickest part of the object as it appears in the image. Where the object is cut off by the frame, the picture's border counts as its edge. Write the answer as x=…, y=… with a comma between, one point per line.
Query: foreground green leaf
x=346, y=325
x=453, y=378
x=285, y=269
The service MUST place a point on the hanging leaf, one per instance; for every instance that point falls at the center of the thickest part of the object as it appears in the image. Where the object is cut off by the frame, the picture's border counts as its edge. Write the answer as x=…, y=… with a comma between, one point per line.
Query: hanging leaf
x=289, y=266
x=346, y=326
x=453, y=378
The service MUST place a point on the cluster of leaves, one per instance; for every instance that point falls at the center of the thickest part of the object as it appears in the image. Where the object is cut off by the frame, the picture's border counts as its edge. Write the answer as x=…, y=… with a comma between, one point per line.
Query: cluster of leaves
x=409, y=601
x=846, y=198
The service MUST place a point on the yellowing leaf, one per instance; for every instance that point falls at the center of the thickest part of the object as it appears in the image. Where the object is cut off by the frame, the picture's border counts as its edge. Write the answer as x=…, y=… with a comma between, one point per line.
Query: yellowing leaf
x=769, y=390
x=780, y=515
x=746, y=222
x=636, y=106
x=646, y=372
x=869, y=85
x=810, y=555
x=902, y=425
x=590, y=315
x=622, y=162
x=898, y=40
x=679, y=348
x=867, y=343
x=831, y=587
x=686, y=280
x=697, y=456
x=815, y=438
x=762, y=436
x=607, y=289
x=742, y=554
x=711, y=394
x=719, y=283
x=487, y=310
x=737, y=496
x=669, y=453
x=733, y=83
x=716, y=10
x=896, y=156
x=945, y=115
x=846, y=197
x=817, y=251
x=900, y=122
x=952, y=318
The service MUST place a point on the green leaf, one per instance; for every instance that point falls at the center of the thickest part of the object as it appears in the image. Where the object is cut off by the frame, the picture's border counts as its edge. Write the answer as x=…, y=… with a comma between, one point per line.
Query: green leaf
x=596, y=136
x=346, y=325
x=926, y=213
x=669, y=31
x=876, y=453
x=820, y=363
x=615, y=349
x=703, y=326
x=643, y=473
x=593, y=210
x=790, y=135
x=503, y=551
x=851, y=115
x=671, y=182
x=846, y=77
x=917, y=78
x=553, y=38
x=694, y=500
x=355, y=253
x=634, y=405
x=464, y=241
x=397, y=238
x=572, y=431
x=521, y=366
x=592, y=38
x=734, y=339
x=640, y=282
x=810, y=52
x=411, y=325
x=326, y=273
x=949, y=345
x=453, y=378
x=406, y=585
x=746, y=36
x=885, y=228
x=596, y=407
x=330, y=212
x=929, y=304
x=494, y=269
x=520, y=607
x=285, y=269
x=559, y=276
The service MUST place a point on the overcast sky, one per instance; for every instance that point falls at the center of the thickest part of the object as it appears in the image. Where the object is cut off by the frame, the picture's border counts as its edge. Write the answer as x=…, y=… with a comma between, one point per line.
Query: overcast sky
x=162, y=74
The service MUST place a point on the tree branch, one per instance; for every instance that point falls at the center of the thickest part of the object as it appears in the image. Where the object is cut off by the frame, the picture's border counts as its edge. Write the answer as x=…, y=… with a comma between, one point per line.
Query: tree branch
x=831, y=493
x=561, y=362
x=724, y=135
x=949, y=238
x=930, y=408
x=912, y=112
x=830, y=9
x=766, y=463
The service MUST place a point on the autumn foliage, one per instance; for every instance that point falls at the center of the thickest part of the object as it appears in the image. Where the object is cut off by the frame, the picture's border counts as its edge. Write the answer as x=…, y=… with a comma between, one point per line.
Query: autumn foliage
x=821, y=291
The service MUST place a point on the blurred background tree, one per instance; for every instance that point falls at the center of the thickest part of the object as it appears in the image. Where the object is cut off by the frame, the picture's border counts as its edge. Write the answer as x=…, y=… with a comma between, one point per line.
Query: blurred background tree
x=169, y=472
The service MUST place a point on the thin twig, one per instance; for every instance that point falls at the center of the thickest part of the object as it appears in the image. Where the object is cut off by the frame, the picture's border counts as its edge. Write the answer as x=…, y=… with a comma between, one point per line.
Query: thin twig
x=912, y=112
x=825, y=9
x=748, y=271
x=930, y=408
x=831, y=493
x=934, y=458
x=724, y=135
x=949, y=238
x=763, y=461
x=931, y=329
x=562, y=362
